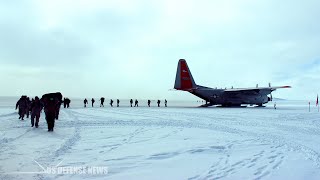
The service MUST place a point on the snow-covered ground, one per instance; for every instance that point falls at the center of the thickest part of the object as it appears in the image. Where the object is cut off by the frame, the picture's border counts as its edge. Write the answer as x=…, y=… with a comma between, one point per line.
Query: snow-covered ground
x=166, y=143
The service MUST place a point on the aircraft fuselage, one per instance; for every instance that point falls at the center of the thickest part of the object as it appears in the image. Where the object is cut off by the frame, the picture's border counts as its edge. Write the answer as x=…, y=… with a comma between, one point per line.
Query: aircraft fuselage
x=220, y=97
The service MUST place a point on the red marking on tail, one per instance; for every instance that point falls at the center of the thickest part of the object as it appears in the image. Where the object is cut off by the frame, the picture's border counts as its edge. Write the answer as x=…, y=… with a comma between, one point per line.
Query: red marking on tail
x=186, y=82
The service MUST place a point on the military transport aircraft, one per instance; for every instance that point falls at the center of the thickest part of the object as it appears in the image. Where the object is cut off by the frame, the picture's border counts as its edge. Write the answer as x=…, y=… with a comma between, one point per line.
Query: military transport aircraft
x=224, y=97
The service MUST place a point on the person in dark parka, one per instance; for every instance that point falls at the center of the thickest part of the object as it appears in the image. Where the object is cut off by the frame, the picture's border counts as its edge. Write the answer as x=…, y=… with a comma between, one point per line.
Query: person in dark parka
x=102, y=101
x=85, y=102
x=64, y=102
x=23, y=105
x=36, y=107
x=51, y=101
x=92, y=102
x=68, y=102
x=131, y=102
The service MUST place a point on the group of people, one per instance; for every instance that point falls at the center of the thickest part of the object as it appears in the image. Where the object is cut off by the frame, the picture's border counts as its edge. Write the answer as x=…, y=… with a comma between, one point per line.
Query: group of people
x=66, y=102
x=50, y=103
x=136, y=103
x=27, y=106
x=85, y=102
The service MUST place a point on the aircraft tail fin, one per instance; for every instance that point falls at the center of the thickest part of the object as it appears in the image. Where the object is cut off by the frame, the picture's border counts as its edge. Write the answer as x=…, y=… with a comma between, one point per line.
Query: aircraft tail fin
x=184, y=80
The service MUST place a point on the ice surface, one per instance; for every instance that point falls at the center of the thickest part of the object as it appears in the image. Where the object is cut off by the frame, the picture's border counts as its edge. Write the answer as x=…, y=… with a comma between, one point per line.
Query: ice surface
x=166, y=143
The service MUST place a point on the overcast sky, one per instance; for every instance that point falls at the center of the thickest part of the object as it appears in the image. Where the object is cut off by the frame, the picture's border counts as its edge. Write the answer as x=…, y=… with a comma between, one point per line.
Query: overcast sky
x=130, y=48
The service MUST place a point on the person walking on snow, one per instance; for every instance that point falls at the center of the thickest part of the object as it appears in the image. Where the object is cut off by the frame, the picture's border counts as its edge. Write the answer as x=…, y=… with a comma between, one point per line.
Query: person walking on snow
x=85, y=101
x=131, y=102
x=64, y=102
x=101, y=102
x=111, y=103
x=50, y=102
x=36, y=107
x=92, y=101
x=22, y=104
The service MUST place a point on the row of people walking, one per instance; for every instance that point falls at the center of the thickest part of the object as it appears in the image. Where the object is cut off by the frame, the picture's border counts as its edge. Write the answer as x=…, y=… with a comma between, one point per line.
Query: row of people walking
x=51, y=103
x=136, y=102
x=85, y=101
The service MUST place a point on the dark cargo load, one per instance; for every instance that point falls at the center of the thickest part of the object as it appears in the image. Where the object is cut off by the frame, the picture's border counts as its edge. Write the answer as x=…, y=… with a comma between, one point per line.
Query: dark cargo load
x=57, y=95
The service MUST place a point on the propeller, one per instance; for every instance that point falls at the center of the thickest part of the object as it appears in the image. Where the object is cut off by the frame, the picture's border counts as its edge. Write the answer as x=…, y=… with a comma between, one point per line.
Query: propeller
x=270, y=93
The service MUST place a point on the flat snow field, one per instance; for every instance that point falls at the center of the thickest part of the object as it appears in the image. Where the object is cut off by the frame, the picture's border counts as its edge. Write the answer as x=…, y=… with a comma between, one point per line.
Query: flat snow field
x=164, y=143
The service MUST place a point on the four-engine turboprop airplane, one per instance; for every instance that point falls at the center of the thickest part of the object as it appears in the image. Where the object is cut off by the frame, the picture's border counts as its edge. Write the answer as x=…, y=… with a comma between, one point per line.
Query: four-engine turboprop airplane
x=224, y=97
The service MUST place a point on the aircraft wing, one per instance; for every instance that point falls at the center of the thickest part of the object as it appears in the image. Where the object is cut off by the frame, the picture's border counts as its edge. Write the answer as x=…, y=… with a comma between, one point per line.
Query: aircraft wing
x=255, y=90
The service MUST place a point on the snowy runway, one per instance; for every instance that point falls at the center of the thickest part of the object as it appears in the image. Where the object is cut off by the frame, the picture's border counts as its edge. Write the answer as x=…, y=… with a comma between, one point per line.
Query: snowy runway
x=166, y=143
